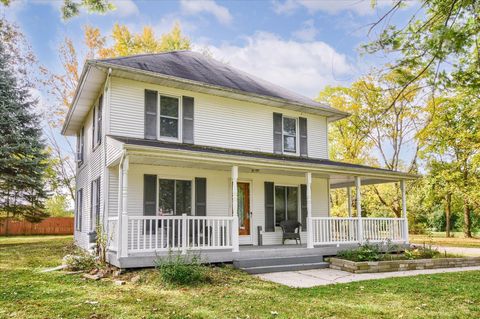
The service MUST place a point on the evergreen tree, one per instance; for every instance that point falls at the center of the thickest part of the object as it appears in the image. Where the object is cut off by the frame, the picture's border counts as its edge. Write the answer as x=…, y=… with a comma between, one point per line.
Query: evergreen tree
x=23, y=159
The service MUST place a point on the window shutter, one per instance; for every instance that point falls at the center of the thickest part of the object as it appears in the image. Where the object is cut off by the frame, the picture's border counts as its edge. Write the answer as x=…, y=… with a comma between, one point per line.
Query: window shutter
x=200, y=196
x=93, y=193
x=277, y=133
x=82, y=145
x=97, y=220
x=303, y=205
x=149, y=195
x=269, y=207
x=303, y=136
x=151, y=98
x=187, y=127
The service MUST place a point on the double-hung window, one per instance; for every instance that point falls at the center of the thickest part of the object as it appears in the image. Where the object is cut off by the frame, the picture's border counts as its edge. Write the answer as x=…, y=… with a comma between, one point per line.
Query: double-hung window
x=95, y=204
x=286, y=203
x=97, y=123
x=79, y=210
x=289, y=134
x=169, y=117
x=174, y=197
x=80, y=146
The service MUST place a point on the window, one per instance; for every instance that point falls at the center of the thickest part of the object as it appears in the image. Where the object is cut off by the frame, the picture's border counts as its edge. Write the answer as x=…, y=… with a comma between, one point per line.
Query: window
x=286, y=204
x=79, y=210
x=174, y=197
x=97, y=123
x=169, y=115
x=289, y=133
x=80, y=146
x=95, y=204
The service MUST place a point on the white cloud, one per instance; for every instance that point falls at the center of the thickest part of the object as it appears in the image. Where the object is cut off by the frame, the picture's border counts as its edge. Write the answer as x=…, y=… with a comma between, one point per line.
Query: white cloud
x=125, y=8
x=303, y=67
x=222, y=14
x=359, y=7
x=307, y=32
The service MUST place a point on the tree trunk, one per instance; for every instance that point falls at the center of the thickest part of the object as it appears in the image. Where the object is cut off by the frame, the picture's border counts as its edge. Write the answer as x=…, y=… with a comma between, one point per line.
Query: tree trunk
x=467, y=226
x=448, y=206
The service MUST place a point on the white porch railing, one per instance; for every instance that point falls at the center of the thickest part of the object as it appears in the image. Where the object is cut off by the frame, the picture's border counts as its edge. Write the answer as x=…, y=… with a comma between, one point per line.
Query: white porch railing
x=341, y=230
x=164, y=233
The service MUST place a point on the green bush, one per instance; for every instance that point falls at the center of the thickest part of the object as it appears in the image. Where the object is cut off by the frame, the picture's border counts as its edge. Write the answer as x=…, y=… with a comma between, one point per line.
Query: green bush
x=80, y=260
x=422, y=252
x=182, y=269
x=364, y=252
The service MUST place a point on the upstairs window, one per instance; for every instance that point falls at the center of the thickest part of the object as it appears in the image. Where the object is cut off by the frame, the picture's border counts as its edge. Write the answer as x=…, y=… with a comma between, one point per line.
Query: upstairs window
x=169, y=115
x=289, y=134
x=97, y=123
x=80, y=145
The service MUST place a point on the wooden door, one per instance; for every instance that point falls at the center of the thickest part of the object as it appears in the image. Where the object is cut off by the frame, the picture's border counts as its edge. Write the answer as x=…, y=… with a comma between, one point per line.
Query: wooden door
x=243, y=208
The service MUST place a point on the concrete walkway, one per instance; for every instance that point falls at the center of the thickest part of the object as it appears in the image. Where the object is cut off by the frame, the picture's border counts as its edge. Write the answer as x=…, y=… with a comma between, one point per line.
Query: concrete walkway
x=465, y=251
x=322, y=277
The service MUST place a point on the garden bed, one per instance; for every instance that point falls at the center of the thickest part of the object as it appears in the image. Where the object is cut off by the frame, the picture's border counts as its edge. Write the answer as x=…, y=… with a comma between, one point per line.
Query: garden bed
x=359, y=267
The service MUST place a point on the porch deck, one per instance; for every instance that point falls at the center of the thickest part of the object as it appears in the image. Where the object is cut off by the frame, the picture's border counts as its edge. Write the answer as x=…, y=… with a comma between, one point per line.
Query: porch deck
x=141, y=260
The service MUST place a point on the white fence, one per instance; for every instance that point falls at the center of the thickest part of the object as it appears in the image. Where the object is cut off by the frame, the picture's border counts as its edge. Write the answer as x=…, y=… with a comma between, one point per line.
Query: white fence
x=338, y=230
x=163, y=233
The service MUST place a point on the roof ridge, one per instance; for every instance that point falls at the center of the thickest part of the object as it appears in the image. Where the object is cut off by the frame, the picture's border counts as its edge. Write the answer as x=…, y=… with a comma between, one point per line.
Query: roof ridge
x=140, y=55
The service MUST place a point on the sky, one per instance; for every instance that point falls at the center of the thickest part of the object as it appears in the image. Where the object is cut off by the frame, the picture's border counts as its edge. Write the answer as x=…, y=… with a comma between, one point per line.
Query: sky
x=302, y=45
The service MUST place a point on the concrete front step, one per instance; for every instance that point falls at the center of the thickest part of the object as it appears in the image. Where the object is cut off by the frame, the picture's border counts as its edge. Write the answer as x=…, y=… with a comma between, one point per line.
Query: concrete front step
x=281, y=268
x=276, y=261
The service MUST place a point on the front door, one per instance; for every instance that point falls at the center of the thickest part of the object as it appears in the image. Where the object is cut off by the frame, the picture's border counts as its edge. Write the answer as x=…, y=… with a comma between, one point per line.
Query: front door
x=244, y=211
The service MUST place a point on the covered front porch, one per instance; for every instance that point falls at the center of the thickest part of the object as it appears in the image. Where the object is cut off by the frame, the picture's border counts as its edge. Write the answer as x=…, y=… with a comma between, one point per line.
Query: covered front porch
x=238, y=214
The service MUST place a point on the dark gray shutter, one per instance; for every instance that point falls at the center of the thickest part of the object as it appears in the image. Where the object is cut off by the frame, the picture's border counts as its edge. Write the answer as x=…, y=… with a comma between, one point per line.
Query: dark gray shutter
x=277, y=133
x=149, y=195
x=99, y=119
x=200, y=196
x=303, y=136
x=151, y=114
x=187, y=127
x=303, y=205
x=269, y=207
x=94, y=137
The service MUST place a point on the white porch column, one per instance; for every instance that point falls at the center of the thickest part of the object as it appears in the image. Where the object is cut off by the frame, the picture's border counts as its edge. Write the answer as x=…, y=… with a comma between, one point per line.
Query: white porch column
x=123, y=234
x=349, y=201
x=359, y=208
x=308, y=177
x=235, y=239
x=404, y=211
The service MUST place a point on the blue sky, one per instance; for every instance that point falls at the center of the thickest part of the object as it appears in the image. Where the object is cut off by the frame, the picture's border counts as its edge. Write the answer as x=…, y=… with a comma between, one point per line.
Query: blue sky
x=301, y=45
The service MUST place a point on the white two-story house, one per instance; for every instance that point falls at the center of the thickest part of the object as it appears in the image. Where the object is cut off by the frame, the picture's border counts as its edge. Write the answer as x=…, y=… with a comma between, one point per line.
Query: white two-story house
x=177, y=151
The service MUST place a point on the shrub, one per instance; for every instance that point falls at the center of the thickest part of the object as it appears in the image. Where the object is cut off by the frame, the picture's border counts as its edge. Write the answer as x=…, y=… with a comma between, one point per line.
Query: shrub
x=80, y=260
x=422, y=252
x=182, y=269
x=364, y=252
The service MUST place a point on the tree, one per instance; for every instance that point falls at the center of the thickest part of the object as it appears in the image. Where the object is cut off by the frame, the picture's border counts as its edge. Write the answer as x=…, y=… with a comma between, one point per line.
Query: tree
x=71, y=8
x=23, y=159
x=453, y=139
x=380, y=124
x=440, y=43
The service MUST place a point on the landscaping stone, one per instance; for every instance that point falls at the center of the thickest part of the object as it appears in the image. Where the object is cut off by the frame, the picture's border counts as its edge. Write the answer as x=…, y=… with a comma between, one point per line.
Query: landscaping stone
x=119, y=282
x=399, y=265
x=92, y=277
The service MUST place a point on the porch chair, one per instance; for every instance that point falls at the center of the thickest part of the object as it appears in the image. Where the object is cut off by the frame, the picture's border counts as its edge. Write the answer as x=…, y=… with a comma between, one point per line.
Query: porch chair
x=291, y=230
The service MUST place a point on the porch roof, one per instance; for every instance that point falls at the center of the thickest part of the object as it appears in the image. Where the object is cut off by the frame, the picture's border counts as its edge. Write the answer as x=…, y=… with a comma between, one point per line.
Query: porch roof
x=340, y=174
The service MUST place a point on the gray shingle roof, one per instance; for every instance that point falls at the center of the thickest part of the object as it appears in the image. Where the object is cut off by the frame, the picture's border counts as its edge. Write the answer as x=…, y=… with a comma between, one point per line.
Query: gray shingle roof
x=195, y=66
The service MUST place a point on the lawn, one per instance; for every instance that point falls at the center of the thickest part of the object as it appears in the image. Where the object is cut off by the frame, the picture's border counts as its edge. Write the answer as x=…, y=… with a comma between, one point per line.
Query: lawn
x=438, y=238
x=27, y=293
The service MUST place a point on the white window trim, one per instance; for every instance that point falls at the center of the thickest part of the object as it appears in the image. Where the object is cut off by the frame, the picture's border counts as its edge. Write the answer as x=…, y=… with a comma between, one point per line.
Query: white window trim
x=179, y=119
x=297, y=136
x=192, y=196
x=299, y=204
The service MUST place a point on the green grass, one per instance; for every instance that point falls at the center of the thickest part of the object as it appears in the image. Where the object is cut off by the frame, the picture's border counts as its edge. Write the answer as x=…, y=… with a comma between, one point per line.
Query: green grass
x=27, y=293
x=438, y=238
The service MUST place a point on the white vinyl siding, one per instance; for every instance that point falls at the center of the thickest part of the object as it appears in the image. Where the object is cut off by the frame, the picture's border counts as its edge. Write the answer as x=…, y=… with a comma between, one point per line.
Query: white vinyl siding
x=219, y=122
